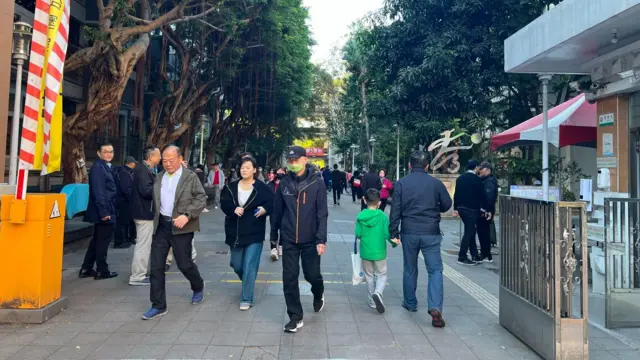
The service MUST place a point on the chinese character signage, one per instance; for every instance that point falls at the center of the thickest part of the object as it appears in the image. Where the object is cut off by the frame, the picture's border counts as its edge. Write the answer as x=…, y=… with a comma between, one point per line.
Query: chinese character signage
x=315, y=152
x=452, y=159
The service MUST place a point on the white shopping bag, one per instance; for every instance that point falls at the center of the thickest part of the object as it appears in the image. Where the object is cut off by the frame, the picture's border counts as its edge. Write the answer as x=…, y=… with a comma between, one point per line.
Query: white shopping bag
x=356, y=262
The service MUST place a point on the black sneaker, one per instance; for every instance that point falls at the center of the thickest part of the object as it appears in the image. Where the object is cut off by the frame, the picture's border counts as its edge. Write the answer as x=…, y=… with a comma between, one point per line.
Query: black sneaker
x=293, y=326
x=318, y=304
x=467, y=262
x=408, y=308
x=487, y=259
x=377, y=299
x=477, y=259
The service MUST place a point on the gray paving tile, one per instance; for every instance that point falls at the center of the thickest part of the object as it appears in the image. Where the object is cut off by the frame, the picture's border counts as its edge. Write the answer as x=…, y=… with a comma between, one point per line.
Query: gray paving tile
x=309, y=352
x=412, y=340
x=148, y=352
x=338, y=327
x=347, y=352
x=421, y=352
x=404, y=328
x=260, y=353
x=230, y=338
x=7, y=350
x=34, y=352
x=164, y=338
x=262, y=339
x=73, y=352
x=185, y=352
x=606, y=344
x=343, y=339
x=265, y=326
x=18, y=339
x=455, y=352
x=54, y=338
x=216, y=352
x=384, y=352
x=194, y=338
x=377, y=339
x=125, y=338
x=602, y=355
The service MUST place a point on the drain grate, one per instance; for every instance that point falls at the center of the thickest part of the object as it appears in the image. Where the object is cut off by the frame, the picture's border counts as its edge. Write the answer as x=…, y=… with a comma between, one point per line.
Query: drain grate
x=222, y=252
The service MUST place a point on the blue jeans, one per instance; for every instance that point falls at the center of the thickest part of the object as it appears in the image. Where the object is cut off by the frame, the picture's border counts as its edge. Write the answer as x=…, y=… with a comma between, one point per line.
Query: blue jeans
x=245, y=261
x=430, y=247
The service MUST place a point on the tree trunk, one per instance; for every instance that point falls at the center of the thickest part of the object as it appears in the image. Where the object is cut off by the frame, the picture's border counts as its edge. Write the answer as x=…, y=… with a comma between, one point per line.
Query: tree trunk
x=366, y=120
x=73, y=160
x=103, y=104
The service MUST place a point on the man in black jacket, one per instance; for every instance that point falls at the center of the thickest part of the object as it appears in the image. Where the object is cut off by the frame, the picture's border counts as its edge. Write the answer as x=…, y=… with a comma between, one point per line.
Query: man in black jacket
x=370, y=180
x=469, y=205
x=101, y=212
x=124, y=229
x=142, y=211
x=338, y=179
x=300, y=220
x=418, y=200
x=485, y=222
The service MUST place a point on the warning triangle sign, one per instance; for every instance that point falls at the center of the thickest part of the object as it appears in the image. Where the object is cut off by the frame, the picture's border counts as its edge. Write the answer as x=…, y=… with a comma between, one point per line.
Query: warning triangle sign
x=55, y=212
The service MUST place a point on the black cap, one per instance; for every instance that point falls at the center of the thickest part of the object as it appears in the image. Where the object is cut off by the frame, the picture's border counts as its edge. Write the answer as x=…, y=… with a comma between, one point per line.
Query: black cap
x=472, y=164
x=129, y=160
x=486, y=165
x=296, y=152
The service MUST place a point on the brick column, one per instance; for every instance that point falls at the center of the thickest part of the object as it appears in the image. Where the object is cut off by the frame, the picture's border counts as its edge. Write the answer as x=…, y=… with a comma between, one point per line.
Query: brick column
x=6, y=40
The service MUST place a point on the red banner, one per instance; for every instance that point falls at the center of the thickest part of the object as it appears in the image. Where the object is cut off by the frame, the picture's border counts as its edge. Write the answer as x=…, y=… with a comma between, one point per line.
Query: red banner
x=315, y=152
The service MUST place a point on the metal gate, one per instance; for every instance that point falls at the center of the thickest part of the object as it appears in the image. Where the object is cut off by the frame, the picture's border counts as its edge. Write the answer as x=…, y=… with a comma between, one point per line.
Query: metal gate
x=543, y=298
x=622, y=262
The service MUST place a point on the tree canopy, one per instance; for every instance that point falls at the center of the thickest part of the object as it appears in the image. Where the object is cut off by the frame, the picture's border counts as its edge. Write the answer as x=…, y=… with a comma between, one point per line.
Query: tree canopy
x=435, y=65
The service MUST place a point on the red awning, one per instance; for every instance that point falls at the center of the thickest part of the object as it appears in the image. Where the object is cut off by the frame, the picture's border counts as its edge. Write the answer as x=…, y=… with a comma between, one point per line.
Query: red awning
x=573, y=122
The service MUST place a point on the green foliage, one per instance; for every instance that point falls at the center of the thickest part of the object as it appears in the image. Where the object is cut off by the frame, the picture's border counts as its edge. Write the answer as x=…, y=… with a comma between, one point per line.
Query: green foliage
x=435, y=65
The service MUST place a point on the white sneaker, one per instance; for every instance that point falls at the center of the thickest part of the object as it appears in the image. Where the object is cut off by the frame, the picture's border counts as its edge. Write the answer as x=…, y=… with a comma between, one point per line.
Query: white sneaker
x=274, y=254
x=205, y=210
x=280, y=250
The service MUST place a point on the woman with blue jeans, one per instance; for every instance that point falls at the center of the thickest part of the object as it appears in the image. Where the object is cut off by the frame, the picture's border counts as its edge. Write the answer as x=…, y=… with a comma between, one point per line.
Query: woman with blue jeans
x=246, y=204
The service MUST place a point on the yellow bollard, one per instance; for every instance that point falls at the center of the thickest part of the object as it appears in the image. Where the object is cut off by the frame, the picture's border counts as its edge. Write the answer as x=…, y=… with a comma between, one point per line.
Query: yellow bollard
x=31, y=244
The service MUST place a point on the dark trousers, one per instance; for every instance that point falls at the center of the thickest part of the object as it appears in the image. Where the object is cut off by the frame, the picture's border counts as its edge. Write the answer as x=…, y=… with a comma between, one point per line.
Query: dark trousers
x=470, y=220
x=355, y=193
x=163, y=240
x=97, y=251
x=292, y=255
x=336, y=195
x=484, y=235
x=383, y=204
x=124, y=224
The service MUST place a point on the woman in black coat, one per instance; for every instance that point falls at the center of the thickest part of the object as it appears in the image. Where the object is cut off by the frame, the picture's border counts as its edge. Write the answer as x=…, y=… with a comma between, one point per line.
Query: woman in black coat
x=246, y=204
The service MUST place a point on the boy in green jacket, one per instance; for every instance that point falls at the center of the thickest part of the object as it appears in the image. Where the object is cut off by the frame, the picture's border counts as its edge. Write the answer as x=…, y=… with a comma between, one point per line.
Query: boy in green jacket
x=372, y=228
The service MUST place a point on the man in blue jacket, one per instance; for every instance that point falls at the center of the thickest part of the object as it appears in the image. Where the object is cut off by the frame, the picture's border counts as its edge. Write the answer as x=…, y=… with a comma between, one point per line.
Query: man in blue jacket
x=101, y=212
x=418, y=200
x=300, y=217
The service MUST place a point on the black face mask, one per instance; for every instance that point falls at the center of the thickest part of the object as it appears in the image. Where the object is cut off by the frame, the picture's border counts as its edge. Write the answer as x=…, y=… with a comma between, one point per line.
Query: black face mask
x=279, y=176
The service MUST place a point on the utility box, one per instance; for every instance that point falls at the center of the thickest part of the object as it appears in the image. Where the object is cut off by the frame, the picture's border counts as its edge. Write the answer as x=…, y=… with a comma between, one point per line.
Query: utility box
x=31, y=244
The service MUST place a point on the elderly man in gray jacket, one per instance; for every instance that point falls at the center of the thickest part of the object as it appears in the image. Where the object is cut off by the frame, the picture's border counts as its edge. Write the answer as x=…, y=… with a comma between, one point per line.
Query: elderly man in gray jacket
x=180, y=199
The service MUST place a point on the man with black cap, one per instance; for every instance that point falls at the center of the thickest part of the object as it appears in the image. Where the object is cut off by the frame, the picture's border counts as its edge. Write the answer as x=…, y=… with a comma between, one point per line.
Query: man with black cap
x=485, y=223
x=468, y=204
x=299, y=219
x=125, y=228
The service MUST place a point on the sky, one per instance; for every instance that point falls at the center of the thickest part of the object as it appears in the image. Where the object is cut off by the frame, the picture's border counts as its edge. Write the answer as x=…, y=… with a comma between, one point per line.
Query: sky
x=330, y=21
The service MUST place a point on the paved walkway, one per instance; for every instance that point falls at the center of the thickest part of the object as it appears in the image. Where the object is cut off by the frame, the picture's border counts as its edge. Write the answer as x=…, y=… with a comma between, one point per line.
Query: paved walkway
x=103, y=319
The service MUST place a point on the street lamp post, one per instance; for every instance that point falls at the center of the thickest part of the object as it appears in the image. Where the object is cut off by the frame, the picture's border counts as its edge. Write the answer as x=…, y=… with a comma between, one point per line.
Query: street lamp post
x=203, y=120
x=372, y=141
x=398, y=153
x=353, y=157
x=20, y=52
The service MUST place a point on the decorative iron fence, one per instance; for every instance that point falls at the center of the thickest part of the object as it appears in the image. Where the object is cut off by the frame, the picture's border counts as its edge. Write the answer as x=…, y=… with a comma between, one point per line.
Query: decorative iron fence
x=543, y=285
x=622, y=262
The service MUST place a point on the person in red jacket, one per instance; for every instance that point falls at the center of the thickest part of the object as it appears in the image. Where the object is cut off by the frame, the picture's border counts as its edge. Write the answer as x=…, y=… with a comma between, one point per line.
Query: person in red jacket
x=384, y=192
